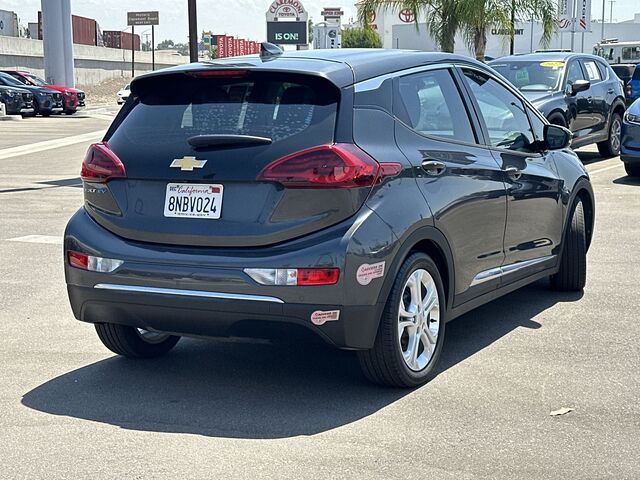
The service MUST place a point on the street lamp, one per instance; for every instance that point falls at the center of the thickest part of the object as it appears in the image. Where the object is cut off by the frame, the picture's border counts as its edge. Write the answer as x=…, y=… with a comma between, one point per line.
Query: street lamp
x=193, y=31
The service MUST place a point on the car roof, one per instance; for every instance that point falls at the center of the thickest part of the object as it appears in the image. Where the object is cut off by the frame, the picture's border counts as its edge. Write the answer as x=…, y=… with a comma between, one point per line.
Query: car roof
x=546, y=57
x=342, y=67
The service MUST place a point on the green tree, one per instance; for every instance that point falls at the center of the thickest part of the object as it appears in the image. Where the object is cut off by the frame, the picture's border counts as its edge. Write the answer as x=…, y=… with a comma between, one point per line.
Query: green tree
x=360, y=38
x=165, y=45
x=471, y=18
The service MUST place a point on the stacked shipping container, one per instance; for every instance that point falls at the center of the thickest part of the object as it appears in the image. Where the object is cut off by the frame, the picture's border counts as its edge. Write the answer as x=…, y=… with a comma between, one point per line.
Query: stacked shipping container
x=118, y=39
x=85, y=30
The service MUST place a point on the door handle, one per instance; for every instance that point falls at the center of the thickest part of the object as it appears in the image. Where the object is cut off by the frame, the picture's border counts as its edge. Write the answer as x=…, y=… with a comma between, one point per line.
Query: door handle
x=433, y=167
x=513, y=172
x=611, y=90
x=589, y=99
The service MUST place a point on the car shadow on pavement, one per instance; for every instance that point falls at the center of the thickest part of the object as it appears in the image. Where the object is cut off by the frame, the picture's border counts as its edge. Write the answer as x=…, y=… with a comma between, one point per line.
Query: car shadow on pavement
x=241, y=389
x=627, y=180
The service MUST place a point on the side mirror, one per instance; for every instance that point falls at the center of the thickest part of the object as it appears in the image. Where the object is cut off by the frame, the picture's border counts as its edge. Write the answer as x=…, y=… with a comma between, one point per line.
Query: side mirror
x=577, y=87
x=556, y=137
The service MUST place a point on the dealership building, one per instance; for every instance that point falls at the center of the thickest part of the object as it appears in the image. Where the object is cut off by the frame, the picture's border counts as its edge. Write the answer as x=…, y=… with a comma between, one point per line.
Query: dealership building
x=397, y=29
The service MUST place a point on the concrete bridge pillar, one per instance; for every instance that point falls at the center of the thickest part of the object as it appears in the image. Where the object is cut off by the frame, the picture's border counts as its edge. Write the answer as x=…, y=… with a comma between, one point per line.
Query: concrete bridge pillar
x=58, y=42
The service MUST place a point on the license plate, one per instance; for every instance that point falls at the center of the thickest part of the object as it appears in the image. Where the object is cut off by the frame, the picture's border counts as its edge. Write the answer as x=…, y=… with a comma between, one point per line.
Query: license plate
x=188, y=200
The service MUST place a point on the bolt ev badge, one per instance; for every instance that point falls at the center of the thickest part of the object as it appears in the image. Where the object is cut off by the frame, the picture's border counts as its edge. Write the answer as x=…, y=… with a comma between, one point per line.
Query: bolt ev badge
x=187, y=164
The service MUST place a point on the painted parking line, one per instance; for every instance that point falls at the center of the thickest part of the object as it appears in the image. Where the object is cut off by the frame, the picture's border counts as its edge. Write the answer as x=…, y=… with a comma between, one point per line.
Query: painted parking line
x=617, y=165
x=50, y=144
x=45, y=239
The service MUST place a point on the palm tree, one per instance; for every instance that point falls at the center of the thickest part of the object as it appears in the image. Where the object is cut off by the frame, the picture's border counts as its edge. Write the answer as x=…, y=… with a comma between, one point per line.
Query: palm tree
x=472, y=18
x=442, y=16
x=480, y=15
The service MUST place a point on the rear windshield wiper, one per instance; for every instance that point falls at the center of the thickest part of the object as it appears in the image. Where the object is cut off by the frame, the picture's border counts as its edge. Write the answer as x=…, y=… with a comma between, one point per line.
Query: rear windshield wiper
x=199, y=141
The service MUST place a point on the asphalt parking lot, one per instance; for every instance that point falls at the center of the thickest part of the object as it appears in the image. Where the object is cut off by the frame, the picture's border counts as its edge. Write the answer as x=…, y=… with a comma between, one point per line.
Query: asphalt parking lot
x=250, y=409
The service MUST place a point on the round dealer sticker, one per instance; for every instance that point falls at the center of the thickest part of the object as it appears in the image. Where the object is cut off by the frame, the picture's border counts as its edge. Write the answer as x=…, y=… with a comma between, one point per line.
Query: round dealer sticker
x=367, y=272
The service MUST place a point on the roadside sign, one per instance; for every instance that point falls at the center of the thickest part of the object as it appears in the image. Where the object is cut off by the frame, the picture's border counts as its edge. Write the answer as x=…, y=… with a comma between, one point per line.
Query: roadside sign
x=287, y=33
x=143, y=18
x=332, y=12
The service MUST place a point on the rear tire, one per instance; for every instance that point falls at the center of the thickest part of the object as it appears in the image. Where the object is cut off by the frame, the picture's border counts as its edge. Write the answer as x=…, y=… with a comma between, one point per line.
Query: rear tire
x=134, y=343
x=392, y=361
x=572, y=275
x=632, y=170
x=611, y=146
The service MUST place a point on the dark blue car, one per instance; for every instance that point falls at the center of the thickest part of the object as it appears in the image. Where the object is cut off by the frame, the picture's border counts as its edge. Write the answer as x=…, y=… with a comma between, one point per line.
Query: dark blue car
x=634, y=85
x=630, y=148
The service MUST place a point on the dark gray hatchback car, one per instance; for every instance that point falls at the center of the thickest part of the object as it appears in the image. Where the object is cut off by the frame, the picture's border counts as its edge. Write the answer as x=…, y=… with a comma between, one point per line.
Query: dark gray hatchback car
x=368, y=196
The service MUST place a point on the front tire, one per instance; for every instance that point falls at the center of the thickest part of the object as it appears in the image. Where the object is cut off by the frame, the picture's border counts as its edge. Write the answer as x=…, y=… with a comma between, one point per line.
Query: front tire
x=632, y=170
x=572, y=275
x=134, y=342
x=611, y=146
x=411, y=331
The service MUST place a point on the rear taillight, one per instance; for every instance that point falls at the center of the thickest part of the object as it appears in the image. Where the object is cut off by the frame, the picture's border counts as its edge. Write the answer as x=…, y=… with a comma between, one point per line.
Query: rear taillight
x=341, y=165
x=294, y=276
x=628, y=89
x=92, y=263
x=101, y=164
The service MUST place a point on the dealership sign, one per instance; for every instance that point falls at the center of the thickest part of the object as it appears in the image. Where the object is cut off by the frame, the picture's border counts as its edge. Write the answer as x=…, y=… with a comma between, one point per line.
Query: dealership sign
x=287, y=33
x=286, y=9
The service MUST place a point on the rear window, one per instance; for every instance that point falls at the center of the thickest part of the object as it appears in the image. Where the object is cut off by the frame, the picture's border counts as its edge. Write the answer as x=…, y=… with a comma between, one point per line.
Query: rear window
x=623, y=71
x=294, y=108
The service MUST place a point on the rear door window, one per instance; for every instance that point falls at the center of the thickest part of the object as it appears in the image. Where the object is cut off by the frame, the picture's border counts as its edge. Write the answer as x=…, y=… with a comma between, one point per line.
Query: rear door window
x=592, y=71
x=296, y=109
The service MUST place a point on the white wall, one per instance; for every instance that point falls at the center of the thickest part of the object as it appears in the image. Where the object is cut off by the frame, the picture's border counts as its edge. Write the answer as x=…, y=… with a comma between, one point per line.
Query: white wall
x=398, y=34
x=92, y=64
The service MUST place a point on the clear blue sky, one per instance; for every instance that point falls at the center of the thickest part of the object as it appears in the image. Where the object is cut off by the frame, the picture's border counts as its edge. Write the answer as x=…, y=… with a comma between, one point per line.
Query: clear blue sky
x=243, y=18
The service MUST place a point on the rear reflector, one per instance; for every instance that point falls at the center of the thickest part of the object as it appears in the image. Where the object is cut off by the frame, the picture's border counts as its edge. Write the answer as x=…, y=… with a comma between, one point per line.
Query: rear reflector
x=100, y=164
x=91, y=263
x=342, y=165
x=294, y=276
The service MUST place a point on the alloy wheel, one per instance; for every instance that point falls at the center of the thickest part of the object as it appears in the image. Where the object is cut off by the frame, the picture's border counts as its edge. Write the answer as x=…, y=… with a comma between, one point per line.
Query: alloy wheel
x=418, y=320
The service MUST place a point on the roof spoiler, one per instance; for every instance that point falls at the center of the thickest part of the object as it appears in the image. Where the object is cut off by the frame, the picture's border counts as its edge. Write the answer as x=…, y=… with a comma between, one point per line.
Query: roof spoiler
x=269, y=51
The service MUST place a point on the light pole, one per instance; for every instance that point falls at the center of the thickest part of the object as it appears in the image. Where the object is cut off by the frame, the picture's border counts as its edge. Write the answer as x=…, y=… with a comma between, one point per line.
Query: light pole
x=604, y=6
x=611, y=11
x=193, y=31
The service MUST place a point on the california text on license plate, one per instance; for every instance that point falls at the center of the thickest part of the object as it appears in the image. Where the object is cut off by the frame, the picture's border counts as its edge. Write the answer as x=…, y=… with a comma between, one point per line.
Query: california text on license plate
x=188, y=200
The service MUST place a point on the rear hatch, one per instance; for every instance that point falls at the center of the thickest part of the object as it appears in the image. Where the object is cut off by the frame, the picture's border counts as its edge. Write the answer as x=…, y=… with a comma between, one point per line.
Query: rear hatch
x=228, y=158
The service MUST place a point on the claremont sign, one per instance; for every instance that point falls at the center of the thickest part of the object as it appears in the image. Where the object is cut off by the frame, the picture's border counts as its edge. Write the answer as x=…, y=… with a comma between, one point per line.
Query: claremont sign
x=286, y=9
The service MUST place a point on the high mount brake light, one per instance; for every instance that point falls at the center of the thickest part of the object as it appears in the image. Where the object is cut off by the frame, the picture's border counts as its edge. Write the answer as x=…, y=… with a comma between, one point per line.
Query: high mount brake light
x=341, y=165
x=219, y=73
x=100, y=164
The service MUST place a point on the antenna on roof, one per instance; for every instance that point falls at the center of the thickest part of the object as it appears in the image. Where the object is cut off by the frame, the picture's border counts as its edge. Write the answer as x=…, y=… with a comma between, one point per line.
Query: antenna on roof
x=269, y=51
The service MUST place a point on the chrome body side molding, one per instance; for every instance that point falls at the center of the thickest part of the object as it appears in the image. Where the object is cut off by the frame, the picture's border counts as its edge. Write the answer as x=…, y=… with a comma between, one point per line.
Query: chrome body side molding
x=187, y=293
x=498, y=272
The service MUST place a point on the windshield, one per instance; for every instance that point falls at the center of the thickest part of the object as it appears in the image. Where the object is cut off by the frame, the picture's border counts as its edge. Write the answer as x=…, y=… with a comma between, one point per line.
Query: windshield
x=532, y=76
x=9, y=80
x=36, y=80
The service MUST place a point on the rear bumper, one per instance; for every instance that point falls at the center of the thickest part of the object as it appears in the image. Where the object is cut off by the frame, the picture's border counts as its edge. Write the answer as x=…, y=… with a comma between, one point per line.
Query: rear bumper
x=179, y=312
x=205, y=291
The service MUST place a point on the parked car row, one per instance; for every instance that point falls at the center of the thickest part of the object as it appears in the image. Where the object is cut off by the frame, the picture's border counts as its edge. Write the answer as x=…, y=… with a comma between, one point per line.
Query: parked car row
x=42, y=99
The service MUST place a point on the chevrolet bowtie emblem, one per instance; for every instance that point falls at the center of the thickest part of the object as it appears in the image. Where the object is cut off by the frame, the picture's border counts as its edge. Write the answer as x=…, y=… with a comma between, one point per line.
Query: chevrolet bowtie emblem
x=187, y=164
